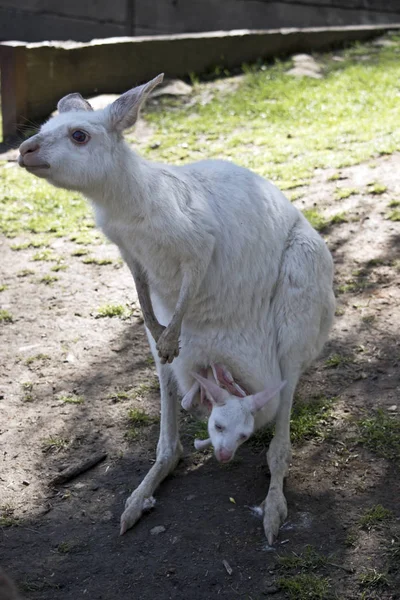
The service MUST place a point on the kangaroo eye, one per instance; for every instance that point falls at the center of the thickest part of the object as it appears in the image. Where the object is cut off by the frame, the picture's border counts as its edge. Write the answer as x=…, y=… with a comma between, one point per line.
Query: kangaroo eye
x=218, y=427
x=79, y=136
x=243, y=436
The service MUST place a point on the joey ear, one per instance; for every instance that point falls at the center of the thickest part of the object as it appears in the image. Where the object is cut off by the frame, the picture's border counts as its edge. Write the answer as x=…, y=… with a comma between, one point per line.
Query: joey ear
x=73, y=102
x=215, y=393
x=124, y=112
x=259, y=400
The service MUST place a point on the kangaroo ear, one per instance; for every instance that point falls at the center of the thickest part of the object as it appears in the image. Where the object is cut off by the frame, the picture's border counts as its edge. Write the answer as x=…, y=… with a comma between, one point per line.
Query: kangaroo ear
x=224, y=377
x=124, y=112
x=258, y=401
x=73, y=102
x=217, y=395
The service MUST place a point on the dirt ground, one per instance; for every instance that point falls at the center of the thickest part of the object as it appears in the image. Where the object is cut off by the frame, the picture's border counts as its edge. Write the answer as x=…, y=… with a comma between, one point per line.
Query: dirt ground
x=63, y=541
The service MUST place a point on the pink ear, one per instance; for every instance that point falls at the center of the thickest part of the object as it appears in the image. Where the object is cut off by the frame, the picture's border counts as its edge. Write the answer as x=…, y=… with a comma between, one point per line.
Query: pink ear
x=224, y=377
x=215, y=393
x=258, y=401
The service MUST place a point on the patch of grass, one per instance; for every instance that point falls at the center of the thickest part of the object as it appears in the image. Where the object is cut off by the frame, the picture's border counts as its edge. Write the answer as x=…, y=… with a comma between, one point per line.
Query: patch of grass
x=307, y=560
x=316, y=219
x=310, y=420
x=351, y=538
x=48, y=279
x=373, y=578
x=54, y=444
x=65, y=547
x=5, y=316
x=334, y=177
x=112, y=310
x=45, y=256
x=72, y=399
x=32, y=359
x=381, y=434
x=338, y=219
x=32, y=243
x=305, y=587
x=25, y=273
x=139, y=418
x=80, y=252
x=59, y=267
x=143, y=389
x=337, y=360
x=343, y=193
x=394, y=203
x=394, y=215
x=376, y=188
x=119, y=396
x=3, y=288
x=7, y=521
x=375, y=516
x=91, y=260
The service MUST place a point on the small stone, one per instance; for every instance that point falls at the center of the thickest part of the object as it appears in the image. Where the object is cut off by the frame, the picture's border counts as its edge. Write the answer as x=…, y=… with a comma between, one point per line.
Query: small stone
x=392, y=408
x=157, y=530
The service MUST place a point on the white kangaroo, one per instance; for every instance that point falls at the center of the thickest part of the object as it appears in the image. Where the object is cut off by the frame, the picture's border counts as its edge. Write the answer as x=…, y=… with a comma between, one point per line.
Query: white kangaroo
x=227, y=270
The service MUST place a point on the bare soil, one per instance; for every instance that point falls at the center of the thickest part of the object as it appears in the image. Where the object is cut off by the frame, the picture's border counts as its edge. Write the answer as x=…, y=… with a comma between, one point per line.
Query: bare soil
x=63, y=541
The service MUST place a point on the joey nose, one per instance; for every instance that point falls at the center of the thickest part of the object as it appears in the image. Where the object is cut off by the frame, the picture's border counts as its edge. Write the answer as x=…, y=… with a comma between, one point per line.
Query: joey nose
x=224, y=455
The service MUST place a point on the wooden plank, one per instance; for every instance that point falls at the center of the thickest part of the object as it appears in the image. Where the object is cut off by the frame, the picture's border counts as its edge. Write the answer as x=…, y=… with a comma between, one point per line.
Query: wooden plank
x=153, y=17
x=95, y=10
x=18, y=25
x=13, y=90
x=115, y=65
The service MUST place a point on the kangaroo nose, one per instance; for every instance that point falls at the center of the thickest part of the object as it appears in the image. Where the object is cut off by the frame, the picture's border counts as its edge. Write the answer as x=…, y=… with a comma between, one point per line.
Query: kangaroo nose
x=29, y=146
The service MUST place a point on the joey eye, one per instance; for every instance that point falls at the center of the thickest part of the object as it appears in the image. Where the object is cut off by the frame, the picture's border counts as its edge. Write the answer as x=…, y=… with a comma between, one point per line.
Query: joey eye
x=218, y=427
x=79, y=136
x=243, y=436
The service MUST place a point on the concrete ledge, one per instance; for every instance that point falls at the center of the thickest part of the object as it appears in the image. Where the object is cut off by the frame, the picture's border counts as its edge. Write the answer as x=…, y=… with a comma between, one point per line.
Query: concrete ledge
x=35, y=76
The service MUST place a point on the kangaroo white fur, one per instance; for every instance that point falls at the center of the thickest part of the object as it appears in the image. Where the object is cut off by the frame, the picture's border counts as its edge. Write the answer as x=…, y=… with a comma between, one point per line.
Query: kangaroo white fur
x=220, y=257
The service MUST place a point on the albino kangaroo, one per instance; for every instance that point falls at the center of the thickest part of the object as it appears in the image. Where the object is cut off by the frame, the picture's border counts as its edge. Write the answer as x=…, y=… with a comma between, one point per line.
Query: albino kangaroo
x=220, y=258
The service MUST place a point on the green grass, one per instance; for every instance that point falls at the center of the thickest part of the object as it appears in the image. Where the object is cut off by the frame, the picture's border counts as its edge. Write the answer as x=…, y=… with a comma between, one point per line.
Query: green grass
x=45, y=255
x=37, y=357
x=71, y=399
x=5, y=316
x=337, y=360
x=138, y=419
x=375, y=516
x=59, y=267
x=35, y=242
x=112, y=310
x=394, y=215
x=25, y=272
x=310, y=420
x=280, y=126
x=380, y=433
x=307, y=560
x=55, y=443
x=343, y=193
x=376, y=188
x=372, y=578
x=143, y=389
x=305, y=587
x=316, y=219
x=394, y=203
x=3, y=288
x=91, y=260
x=339, y=218
x=48, y=279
